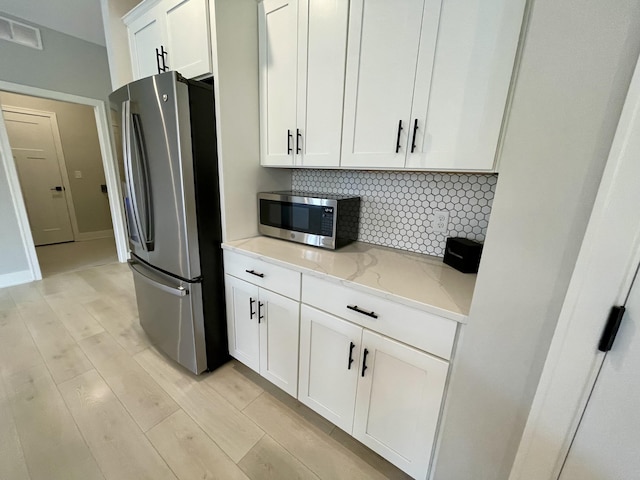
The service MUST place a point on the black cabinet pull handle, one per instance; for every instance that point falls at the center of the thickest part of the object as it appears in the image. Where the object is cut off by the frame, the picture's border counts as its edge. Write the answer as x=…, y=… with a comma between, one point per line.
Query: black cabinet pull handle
x=260, y=315
x=251, y=312
x=252, y=272
x=363, y=312
x=398, y=137
x=364, y=361
x=351, y=347
x=413, y=141
x=165, y=56
x=289, y=138
x=298, y=141
x=158, y=61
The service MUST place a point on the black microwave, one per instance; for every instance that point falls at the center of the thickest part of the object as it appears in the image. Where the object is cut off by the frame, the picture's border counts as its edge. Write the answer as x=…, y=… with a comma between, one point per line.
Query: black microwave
x=320, y=219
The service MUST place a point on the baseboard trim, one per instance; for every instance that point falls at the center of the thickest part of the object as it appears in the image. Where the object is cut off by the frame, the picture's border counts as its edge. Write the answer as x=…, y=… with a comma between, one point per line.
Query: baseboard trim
x=15, y=278
x=84, y=236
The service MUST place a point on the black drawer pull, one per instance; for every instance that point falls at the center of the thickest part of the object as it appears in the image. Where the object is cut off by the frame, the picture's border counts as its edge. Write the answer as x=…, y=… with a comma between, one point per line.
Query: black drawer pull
x=253, y=272
x=363, y=312
x=351, y=347
x=260, y=315
x=364, y=361
x=251, y=311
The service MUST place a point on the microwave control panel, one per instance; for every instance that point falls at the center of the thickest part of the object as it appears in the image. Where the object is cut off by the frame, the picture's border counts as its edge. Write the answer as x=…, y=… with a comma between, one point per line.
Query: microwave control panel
x=327, y=221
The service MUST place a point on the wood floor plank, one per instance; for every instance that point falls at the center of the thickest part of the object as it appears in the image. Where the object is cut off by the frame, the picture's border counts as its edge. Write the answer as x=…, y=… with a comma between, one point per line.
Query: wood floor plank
x=61, y=353
x=77, y=320
x=124, y=328
x=25, y=293
x=52, y=445
x=120, y=448
x=143, y=398
x=372, y=458
x=17, y=350
x=6, y=301
x=269, y=461
x=322, y=455
x=12, y=462
x=190, y=452
x=232, y=385
x=68, y=284
x=283, y=397
x=225, y=424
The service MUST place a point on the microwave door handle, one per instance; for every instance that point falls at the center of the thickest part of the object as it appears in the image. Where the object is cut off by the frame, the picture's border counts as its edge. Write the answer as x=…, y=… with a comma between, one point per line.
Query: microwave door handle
x=147, y=226
x=128, y=170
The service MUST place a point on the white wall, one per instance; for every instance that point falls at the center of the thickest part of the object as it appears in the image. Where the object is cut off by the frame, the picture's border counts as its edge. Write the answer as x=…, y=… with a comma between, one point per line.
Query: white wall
x=235, y=56
x=576, y=67
x=117, y=41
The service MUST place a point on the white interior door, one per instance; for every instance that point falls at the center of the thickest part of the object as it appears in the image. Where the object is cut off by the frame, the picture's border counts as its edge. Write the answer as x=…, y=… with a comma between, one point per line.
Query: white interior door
x=607, y=443
x=41, y=178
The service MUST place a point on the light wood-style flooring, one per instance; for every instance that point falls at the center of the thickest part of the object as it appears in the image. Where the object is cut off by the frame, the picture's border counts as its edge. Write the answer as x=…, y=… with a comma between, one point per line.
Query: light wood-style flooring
x=83, y=395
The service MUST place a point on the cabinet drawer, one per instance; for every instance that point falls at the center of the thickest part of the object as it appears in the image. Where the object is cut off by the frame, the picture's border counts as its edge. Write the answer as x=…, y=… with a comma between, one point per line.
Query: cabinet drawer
x=422, y=330
x=266, y=275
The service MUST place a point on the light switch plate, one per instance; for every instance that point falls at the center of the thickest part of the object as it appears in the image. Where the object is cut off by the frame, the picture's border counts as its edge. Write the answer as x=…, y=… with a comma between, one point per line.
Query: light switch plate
x=440, y=222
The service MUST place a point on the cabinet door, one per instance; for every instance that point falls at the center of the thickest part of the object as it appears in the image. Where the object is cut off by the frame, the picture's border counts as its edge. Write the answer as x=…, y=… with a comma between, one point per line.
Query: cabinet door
x=460, y=114
x=322, y=47
x=278, y=43
x=329, y=362
x=242, y=321
x=279, y=329
x=187, y=30
x=398, y=402
x=384, y=39
x=145, y=36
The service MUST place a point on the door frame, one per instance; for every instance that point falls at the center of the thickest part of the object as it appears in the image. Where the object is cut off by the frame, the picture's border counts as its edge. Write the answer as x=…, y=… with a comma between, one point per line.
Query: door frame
x=108, y=162
x=62, y=165
x=602, y=278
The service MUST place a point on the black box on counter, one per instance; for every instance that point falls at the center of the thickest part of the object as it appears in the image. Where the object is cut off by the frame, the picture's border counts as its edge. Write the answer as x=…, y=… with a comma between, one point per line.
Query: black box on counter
x=463, y=254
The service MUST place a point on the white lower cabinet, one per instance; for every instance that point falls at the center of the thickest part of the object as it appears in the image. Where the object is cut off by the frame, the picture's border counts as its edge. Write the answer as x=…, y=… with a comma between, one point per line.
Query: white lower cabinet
x=386, y=394
x=398, y=402
x=263, y=329
x=363, y=361
x=329, y=360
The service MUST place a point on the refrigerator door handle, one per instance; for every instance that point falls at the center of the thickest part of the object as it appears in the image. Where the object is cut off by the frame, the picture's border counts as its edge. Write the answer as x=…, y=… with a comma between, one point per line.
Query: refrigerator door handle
x=144, y=164
x=178, y=292
x=126, y=146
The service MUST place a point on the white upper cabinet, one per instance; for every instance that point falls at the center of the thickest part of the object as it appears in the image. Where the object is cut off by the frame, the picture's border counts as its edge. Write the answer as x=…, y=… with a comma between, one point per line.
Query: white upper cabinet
x=386, y=40
x=171, y=34
x=460, y=103
x=145, y=36
x=302, y=63
x=188, y=43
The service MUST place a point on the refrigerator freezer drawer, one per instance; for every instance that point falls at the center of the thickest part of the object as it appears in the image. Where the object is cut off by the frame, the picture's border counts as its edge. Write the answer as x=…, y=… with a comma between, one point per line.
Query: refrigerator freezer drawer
x=171, y=314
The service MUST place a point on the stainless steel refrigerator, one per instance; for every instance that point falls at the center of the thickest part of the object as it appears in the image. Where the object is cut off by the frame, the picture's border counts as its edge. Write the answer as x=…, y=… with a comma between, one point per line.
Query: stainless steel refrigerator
x=169, y=168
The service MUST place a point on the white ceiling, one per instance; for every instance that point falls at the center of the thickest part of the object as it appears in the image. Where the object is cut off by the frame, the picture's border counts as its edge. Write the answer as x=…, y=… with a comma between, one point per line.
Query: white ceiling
x=78, y=18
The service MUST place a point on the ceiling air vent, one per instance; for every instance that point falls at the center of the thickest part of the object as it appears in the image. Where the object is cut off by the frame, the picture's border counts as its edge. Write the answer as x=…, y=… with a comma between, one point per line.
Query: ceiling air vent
x=20, y=33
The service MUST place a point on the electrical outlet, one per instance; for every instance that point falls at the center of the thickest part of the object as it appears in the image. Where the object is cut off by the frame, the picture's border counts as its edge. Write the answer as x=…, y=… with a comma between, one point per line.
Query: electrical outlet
x=78, y=174
x=440, y=222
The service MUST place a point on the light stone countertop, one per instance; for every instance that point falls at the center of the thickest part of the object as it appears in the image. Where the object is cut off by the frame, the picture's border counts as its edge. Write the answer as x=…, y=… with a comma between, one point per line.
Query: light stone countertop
x=419, y=281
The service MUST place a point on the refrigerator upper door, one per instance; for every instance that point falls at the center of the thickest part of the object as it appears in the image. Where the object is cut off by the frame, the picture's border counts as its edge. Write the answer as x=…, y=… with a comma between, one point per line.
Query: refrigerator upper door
x=160, y=180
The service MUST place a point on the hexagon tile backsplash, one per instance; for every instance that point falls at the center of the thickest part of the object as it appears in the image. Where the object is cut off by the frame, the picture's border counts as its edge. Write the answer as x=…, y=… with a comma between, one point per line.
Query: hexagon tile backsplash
x=397, y=207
